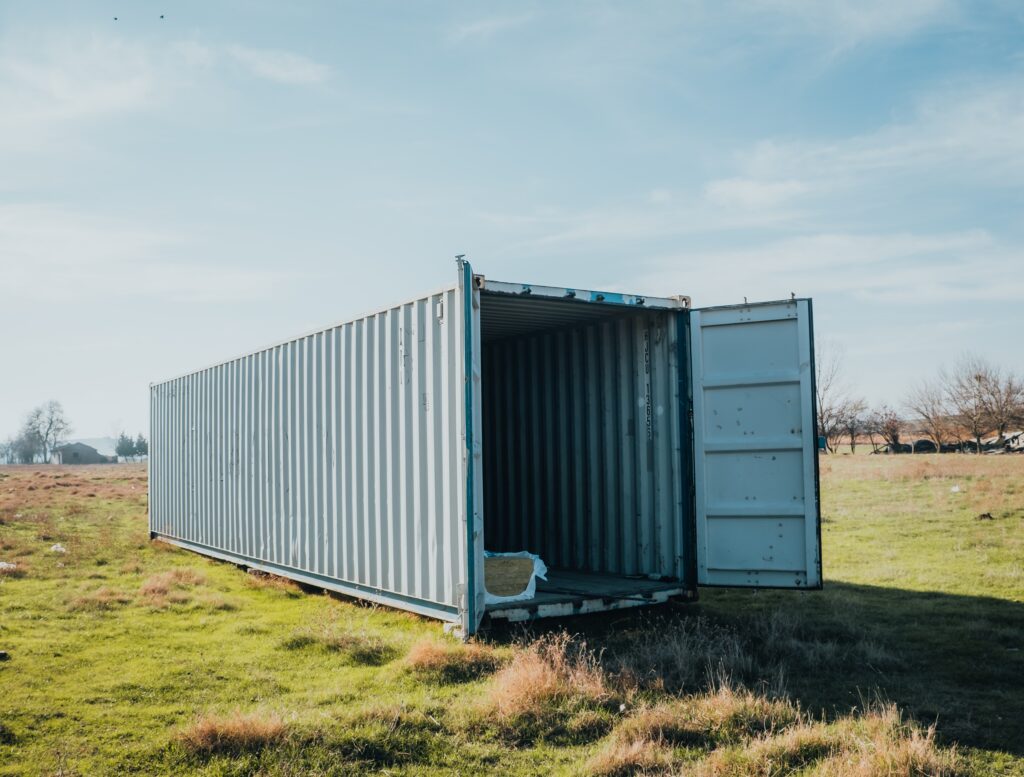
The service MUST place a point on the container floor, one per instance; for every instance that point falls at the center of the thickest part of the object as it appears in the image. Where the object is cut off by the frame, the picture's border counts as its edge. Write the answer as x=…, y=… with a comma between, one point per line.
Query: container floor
x=573, y=593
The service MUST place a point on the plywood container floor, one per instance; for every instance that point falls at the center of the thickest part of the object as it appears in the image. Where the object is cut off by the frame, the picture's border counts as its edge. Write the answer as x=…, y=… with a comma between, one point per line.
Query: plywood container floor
x=573, y=593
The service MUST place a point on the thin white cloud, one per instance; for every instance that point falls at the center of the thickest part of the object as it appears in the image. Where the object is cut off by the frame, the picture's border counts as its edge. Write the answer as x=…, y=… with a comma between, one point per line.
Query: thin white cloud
x=849, y=23
x=905, y=269
x=749, y=193
x=976, y=129
x=53, y=255
x=484, y=29
x=46, y=85
x=284, y=67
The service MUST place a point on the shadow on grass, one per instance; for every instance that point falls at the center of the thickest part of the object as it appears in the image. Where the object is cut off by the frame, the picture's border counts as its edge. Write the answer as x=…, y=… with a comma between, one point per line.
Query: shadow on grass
x=956, y=661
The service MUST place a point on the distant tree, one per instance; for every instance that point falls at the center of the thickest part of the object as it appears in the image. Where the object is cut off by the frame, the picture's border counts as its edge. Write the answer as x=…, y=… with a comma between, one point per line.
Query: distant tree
x=889, y=426
x=853, y=420
x=28, y=446
x=141, y=446
x=830, y=395
x=871, y=427
x=929, y=403
x=1003, y=398
x=7, y=451
x=47, y=426
x=125, y=446
x=966, y=387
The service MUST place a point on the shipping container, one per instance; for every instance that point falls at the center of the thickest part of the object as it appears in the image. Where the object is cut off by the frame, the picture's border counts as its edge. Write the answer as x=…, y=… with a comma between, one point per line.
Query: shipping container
x=640, y=447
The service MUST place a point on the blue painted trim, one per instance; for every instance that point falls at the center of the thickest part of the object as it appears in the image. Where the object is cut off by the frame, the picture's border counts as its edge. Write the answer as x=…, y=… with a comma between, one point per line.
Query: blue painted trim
x=684, y=366
x=817, y=454
x=467, y=290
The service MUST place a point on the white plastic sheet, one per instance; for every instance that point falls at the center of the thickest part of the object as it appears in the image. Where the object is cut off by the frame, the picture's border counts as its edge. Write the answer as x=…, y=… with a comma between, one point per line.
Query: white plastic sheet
x=539, y=570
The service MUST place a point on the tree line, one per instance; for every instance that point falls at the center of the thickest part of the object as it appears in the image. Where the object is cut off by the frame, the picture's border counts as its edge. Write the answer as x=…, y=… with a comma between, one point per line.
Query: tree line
x=129, y=448
x=46, y=428
x=956, y=409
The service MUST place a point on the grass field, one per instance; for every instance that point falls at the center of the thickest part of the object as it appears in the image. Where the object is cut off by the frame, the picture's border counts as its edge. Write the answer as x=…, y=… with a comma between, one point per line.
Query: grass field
x=129, y=657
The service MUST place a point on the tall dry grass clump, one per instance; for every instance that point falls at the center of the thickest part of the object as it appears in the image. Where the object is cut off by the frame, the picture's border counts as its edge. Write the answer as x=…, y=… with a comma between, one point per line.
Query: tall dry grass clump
x=554, y=688
x=101, y=599
x=882, y=743
x=621, y=758
x=451, y=663
x=644, y=741
x=171, y=587
x=234, y=733
x=556, y=668
x=877, y=742
x=682, y=654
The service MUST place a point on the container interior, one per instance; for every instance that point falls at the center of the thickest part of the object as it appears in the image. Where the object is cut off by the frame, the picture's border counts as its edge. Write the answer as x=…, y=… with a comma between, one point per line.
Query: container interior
x=581, y=445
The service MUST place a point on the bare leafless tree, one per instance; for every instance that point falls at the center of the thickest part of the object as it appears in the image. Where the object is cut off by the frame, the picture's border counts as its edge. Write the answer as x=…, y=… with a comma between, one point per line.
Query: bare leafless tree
x=853, y=420
x=47, y=425
x=928, y=401
x=872, y=424
x=838, y=412
x=889, y=426
x=1003, y=397
x=966, y=387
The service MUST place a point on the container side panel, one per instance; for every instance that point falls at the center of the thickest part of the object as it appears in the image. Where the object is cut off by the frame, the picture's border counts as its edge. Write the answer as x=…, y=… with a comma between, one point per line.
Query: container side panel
x=337, y=456
x=581, y=432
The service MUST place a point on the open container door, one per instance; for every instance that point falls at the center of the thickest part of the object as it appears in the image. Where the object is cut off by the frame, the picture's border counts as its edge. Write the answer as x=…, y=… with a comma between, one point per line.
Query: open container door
x=757, y=516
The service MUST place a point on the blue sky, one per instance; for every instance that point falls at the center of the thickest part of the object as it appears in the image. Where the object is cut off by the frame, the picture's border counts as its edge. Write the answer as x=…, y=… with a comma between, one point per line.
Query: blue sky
x=178, y=190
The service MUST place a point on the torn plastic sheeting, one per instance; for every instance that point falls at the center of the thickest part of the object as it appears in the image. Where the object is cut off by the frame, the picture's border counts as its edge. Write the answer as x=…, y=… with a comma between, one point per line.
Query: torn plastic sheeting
x=539, y=570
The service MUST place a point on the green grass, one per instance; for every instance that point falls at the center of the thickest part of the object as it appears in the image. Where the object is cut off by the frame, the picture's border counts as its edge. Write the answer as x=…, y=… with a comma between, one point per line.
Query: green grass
x=119, y=645
x=911, y=570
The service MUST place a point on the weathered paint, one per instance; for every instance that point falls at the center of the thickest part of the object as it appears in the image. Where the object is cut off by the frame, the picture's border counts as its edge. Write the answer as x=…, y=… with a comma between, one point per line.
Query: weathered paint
x=757, y=512
x=338, y=458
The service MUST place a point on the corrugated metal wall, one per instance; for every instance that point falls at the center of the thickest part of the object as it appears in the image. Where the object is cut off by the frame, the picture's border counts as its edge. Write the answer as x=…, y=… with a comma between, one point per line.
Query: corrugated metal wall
x=582, y=446
x=340, y=454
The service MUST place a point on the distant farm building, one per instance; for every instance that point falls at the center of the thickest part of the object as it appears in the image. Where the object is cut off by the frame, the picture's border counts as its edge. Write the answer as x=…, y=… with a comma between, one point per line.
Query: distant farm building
x=80, y=453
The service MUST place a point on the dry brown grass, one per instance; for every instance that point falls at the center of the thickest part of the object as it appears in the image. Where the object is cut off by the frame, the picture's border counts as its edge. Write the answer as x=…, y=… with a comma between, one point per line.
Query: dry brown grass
x=681, y=654
x=29, y=487
x=235, y=733
x=725, y=715
x=171, y=587
x=878, y=742
x=923, y=466
x=553, y=689
x=553, y=669
x=13, y=569
x=258, y=579
x=643, y=743
x=619, y=758
x=101, y=599
x=451, y=663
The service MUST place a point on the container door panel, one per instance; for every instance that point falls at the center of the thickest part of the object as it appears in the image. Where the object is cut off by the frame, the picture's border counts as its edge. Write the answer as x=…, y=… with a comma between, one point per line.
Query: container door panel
x=755, y=456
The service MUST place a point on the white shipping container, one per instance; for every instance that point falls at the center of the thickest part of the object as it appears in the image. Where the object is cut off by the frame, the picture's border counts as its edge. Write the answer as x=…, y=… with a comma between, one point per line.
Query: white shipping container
x=641, y=448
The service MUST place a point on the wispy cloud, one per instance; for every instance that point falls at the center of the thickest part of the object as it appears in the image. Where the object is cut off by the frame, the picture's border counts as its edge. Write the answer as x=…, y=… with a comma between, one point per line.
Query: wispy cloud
x=54, y=255
x=49, y=84
x=484, y=29
x=749, y=193
x=285, y=67
x=844, y=24
x=976, y=128
x=889, y=268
